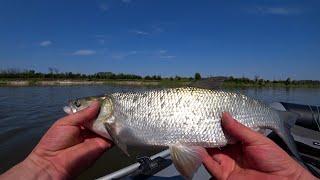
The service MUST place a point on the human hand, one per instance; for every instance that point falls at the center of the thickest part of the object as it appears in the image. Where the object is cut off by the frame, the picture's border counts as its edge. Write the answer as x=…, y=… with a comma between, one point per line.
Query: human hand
x=65, y=150
x=254, y=157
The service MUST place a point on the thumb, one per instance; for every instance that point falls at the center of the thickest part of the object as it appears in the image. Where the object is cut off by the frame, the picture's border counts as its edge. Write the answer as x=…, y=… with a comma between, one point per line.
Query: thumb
x=241, y=132
x=82, y=117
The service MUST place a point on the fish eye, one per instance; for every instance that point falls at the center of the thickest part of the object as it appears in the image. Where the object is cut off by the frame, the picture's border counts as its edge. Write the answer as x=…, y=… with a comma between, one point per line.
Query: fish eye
x=77, y=103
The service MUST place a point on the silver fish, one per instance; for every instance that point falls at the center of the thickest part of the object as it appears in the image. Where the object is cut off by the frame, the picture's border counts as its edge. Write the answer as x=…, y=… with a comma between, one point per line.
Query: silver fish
x=182, y=119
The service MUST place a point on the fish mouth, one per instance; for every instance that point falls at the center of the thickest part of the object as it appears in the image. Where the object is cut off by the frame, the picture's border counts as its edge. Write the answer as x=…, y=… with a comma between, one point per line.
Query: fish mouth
x=69, y=109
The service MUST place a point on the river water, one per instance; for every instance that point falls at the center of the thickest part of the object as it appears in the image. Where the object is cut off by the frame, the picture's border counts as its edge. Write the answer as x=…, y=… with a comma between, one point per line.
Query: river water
x=27, y=112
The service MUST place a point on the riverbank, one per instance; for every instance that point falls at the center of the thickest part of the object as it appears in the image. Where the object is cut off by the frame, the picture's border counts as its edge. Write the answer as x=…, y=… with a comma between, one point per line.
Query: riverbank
x=268, y=85
x=210, y=83
x=23, y=83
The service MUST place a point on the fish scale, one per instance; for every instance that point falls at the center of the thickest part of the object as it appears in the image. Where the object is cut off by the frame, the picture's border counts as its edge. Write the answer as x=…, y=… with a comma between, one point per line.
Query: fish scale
x=188, y=116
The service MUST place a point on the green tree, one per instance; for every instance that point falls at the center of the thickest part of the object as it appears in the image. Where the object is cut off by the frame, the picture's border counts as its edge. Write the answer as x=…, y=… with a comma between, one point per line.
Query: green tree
x=197, y=76
x=177, y=78
x=288, y=81
x=256, y=78
x=147, y=78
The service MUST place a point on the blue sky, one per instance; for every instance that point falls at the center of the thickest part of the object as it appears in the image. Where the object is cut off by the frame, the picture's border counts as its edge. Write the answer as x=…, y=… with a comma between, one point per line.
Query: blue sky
x=272, y=39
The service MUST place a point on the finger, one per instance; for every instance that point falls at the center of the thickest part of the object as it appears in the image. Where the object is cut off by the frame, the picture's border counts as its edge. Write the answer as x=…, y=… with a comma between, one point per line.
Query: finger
x=215, y=153
x=91, y=145
x=241, y=132
x=85, y=154
x=88, y=134
x=212, y=166
x=82, y=116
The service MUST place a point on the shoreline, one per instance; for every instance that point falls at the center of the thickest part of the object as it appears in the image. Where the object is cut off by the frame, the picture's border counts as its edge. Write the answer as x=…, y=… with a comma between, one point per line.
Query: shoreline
x=26, y=83
x=270, y=85
x=211, y=84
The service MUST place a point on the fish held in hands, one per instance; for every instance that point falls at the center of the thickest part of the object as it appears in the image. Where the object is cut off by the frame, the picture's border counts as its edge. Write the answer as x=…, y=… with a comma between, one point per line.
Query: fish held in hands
x=184, y=119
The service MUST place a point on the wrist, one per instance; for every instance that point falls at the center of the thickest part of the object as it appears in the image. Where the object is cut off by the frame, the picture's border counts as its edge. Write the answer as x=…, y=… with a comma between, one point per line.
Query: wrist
x=44, y=168
x=27, y=170
x=33, y=167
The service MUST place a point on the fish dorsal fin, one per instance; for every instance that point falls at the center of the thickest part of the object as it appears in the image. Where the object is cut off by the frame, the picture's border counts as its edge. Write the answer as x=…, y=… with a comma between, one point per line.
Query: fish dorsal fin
x=112, y=129
x=186, y=159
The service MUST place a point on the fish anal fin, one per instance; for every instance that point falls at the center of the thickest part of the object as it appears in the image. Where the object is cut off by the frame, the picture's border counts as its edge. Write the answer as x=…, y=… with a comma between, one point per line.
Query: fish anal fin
x=112, y=130
x=186, y=159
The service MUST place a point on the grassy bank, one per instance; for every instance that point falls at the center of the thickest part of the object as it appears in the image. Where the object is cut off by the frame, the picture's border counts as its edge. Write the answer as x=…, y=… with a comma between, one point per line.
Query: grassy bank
x=38, y=82
x=161, y=83
x=14, y=77
x=258, y=82
x=267, y=85
x=215, y=82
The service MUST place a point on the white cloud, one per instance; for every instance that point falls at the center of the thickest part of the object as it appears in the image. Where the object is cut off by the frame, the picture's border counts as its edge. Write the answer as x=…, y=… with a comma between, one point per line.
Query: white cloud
x=103, y=7
x=100, y=36
x=139, y=32
x=118, y=56
x=277, y=10
x=163, y=54
x=122, y=55
x=126, y=1
x=84, y=52
x=133, y=52
x=162, y=51
x=152, y=29
x=45, y=43
x=152, y=54
x=167, y=57
x=101, y=41
x=157, y=29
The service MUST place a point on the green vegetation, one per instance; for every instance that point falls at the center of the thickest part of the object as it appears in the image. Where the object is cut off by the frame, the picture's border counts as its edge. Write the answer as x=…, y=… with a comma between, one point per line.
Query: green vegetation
x=197, y=76
x=18, y=77
x=2, y=83
x=54, y=74
x=15, y=77
x=258, y=82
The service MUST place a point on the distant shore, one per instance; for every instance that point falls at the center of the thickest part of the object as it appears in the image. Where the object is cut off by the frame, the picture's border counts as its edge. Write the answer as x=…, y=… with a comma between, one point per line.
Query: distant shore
x=17, y=78
x=211, y=83
x=22, y=83
x=227, y=84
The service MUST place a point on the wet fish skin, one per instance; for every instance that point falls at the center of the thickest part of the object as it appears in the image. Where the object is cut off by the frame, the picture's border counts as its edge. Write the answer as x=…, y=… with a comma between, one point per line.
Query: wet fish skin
x=180, y=118
x=188, y=116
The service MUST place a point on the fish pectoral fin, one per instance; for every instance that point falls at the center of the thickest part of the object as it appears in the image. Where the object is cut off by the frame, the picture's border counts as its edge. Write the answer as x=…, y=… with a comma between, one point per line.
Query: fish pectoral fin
x=186, y=159
x=112, y=129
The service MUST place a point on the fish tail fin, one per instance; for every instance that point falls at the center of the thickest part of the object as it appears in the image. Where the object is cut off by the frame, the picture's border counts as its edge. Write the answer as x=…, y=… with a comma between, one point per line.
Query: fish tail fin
x=186, y=159
x=288, y=120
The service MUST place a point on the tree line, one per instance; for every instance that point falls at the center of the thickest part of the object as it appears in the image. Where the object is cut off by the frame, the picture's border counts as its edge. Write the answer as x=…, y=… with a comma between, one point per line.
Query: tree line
x=262, y=82
x=54, y=73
